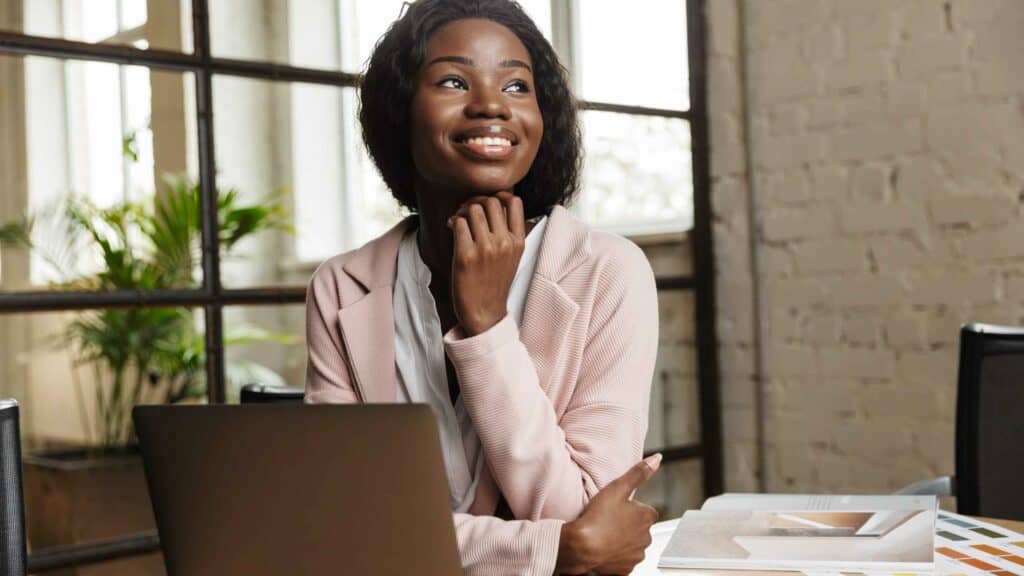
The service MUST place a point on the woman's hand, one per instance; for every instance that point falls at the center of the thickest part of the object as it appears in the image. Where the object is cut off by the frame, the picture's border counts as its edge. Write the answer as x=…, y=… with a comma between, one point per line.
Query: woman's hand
x=489, y=238
x=613, y=531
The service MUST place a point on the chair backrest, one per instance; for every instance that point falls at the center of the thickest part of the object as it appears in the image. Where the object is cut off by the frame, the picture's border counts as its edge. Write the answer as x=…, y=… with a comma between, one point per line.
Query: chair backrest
x=260, y=394
x=990, y=422
x=12, y=508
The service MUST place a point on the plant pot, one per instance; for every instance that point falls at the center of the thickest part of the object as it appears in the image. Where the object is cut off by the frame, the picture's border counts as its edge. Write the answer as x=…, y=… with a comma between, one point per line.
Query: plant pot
x=72, y=497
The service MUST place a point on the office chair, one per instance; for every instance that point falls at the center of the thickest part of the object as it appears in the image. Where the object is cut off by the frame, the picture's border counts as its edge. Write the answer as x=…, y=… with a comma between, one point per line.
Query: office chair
x=989, y=425
x=260, y=394
x=13, y=554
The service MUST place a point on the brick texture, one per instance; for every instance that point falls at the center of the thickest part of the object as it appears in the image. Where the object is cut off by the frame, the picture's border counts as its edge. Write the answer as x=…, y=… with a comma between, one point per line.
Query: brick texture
x=889, y=162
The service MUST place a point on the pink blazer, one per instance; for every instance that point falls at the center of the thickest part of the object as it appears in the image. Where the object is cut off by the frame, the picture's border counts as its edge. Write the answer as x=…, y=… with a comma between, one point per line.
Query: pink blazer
x=560, y=404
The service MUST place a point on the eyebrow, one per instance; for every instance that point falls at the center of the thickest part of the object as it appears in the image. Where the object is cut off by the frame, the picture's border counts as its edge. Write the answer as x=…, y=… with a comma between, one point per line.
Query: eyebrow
x=469, y=62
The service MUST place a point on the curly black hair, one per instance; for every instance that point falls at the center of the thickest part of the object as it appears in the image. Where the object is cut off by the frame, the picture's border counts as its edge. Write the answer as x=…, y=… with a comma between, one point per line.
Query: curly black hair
x=390, y=79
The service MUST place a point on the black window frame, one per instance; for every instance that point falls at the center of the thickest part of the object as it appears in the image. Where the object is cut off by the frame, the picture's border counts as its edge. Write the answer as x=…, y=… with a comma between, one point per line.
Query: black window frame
x=213, y=297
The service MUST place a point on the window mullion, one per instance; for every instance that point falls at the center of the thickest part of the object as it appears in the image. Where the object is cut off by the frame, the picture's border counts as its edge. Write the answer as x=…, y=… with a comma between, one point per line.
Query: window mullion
x=564, y=37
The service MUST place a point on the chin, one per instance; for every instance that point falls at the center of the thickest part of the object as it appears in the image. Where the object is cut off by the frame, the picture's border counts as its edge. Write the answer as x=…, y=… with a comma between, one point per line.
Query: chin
x=490, y=182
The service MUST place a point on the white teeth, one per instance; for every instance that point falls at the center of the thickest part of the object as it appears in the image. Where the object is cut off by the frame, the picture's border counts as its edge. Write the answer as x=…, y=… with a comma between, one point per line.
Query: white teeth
x=488, y=141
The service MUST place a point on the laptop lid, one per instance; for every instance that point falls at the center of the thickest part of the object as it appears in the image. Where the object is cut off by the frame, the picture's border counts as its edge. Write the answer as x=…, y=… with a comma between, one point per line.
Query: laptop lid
x=294, y=489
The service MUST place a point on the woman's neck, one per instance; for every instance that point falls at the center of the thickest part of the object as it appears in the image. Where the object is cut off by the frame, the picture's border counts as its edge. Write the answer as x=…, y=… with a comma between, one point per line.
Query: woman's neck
x=434, y=239
x=436, y=244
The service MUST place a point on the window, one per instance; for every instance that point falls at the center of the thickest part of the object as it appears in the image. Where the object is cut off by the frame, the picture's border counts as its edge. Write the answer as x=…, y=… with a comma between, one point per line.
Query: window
x=259, y=101
x=640, y=188
x=90, y=125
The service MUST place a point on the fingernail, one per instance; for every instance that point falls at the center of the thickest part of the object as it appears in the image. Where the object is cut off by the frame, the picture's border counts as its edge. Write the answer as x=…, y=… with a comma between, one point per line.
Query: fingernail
x=653, y=461
x=449, y=222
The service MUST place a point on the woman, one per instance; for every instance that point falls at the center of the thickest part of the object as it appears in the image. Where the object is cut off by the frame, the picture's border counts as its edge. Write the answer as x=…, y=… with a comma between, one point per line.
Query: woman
x=532, y=336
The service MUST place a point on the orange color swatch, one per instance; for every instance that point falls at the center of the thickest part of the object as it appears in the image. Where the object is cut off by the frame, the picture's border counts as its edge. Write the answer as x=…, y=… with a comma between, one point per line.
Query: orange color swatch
x=951, y=553
x=979, y=564
x=989, y=549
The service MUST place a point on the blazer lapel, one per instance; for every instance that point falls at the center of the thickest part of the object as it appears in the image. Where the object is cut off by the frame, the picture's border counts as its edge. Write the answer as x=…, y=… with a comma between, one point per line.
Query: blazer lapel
x=549, y=312
x=367, y=323
x=547, y=320
x=368, y=331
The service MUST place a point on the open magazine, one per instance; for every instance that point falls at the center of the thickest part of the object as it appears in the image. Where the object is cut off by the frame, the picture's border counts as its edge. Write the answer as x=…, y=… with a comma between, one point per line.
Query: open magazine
x=806, y=532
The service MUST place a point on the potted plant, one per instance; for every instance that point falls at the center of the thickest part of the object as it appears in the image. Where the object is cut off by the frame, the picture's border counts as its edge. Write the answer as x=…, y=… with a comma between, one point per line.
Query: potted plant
x=135, y=355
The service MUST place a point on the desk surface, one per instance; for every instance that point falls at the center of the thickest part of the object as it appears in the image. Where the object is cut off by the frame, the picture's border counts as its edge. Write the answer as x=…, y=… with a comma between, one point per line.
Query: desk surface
x=662, y=531
x=1014, y=525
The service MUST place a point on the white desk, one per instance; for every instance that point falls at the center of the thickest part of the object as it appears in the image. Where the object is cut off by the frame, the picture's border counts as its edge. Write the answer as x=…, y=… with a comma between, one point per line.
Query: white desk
x=662, y=531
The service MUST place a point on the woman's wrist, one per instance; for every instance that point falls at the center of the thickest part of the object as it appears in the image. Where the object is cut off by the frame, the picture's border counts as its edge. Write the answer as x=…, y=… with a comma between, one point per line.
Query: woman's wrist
x=474, y=326
x=574, y=554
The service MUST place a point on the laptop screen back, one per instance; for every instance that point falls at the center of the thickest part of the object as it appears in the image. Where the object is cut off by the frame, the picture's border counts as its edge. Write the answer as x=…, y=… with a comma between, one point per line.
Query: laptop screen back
x=293, y=489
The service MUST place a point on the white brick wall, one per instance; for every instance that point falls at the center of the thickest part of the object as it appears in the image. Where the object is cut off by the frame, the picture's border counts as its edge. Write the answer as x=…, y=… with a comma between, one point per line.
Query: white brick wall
x=889, y=162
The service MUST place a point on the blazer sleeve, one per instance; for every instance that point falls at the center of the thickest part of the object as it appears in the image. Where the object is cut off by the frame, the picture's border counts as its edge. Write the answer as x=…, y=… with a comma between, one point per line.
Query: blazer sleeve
x=490, y=545
x=487, y=545
x=550, y=467
x=327, y=368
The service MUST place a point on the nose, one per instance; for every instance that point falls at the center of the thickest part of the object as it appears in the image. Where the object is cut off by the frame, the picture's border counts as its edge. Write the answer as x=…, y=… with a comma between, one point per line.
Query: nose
x=488, y=104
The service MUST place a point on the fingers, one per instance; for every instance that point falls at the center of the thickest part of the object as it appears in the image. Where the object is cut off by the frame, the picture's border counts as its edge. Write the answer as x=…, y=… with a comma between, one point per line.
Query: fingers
x=495, y=214
x=649, y=513
x=502, y=213
x=653, y=462
x=460, y=229
x=477, y=222
x=514, y=209
x=636, y=476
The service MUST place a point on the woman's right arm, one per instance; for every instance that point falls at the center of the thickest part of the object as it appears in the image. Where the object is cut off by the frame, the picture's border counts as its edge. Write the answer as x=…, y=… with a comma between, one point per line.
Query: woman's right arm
x=605, y=538
x=609, y=537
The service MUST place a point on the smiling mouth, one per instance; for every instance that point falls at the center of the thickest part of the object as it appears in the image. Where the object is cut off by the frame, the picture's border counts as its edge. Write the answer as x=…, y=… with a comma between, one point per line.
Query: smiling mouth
x=486, y=147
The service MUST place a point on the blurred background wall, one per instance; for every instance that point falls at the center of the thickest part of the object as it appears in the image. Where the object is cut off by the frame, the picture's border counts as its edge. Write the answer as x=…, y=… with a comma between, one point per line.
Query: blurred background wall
x=887, y=152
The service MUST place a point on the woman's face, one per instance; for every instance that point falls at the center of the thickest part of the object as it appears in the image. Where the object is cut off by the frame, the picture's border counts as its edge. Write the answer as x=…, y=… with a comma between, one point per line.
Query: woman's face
x=475, y=124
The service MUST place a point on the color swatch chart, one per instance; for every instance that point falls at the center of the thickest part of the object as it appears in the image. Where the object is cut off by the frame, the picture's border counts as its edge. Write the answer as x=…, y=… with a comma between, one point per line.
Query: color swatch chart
x=967, y=547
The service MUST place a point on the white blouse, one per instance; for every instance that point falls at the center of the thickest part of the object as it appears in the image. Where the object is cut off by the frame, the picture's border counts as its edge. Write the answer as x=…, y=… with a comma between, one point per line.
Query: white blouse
x=420, y=361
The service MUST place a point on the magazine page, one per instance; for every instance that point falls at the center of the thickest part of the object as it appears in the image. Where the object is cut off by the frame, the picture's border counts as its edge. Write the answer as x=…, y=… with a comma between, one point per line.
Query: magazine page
x=964, y=546
x=741, y=501
x=829, y=533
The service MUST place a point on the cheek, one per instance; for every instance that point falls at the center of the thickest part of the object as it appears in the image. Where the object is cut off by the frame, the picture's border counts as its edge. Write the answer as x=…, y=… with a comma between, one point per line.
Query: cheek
x=533, y=125
x=425, y=136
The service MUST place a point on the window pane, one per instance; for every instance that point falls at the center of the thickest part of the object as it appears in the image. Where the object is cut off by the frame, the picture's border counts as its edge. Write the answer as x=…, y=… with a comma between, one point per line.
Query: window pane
x=264, y=345
x=540, y=12
x=168, y=26
x=133, y=13
x=636, y=174
x=634, y=53
x=365, y=21
x=297, y=32
x=95, y=143
x=296, y=148
x=328, y=34
x=63, y=368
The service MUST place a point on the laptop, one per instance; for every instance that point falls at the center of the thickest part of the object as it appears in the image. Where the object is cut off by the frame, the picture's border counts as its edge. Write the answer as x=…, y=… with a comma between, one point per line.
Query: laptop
x=270, y=489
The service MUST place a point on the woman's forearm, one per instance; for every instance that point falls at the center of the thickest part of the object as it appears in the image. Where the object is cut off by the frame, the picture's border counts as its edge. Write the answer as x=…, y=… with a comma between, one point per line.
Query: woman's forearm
x=552, y=445
x=546, y=467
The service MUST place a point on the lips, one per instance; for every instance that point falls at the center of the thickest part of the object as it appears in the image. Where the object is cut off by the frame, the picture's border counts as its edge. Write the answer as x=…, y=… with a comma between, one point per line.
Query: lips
x=486, y=142
x=491, y=131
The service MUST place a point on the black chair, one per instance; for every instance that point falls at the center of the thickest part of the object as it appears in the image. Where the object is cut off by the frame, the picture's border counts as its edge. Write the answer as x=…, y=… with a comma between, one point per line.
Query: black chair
x=13, y=553
x=261, y=394
x=989, y=425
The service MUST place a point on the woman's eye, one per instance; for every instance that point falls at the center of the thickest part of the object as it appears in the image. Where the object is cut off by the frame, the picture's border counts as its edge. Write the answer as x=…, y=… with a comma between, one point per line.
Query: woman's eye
x=452, y=82
x=517, y=86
